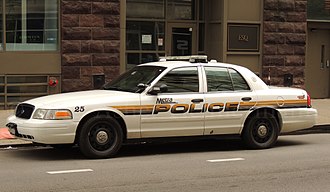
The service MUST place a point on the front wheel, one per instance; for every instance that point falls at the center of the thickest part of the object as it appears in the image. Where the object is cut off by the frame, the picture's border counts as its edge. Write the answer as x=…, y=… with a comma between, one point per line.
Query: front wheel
x=100, y=137
x=261, y=131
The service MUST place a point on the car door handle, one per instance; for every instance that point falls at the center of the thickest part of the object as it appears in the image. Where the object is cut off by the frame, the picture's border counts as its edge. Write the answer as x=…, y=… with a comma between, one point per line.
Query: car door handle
x=197, y=100
x=246, y=99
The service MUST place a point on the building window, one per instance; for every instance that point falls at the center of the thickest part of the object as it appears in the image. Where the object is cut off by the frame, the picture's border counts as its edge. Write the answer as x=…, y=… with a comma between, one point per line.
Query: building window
x=31, y=25
x=144, y=35
x=144, y=41
x=201, y=37
x=148, y=21
x=151, y=9
x=201, y=10
x=134, y=59
x=181, y=9
x=318, y=9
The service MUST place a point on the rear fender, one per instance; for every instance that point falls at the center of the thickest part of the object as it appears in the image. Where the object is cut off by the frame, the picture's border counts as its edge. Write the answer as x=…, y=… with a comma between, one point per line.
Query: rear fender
x=261, y=110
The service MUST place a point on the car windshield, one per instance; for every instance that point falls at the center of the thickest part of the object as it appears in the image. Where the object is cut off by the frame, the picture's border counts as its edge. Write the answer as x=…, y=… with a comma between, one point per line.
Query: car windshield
x=136, y=79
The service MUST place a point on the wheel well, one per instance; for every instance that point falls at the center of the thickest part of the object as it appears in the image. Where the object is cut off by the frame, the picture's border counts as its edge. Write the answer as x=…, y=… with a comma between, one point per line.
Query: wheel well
x=262, y=111
x=97, y=113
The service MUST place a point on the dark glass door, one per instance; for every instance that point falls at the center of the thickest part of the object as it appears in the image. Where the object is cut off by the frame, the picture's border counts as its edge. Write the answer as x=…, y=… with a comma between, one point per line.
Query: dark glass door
x=181, y=41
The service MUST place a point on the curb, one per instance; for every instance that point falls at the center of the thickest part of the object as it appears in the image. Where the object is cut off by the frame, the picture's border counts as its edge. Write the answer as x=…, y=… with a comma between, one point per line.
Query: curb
x=7, y=143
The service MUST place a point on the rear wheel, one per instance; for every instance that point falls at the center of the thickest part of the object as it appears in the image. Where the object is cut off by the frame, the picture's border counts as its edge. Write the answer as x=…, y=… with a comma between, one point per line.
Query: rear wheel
x=100, y=137
x=261, y=131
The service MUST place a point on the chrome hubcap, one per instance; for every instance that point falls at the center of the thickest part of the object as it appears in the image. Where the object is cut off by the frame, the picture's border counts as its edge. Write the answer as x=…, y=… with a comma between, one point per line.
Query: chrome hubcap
x=262, y=131
x=102, y=137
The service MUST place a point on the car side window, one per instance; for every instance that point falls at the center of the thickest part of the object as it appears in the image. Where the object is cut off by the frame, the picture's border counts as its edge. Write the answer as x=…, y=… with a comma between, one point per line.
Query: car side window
x=218, y=79
x=239, y=82
x=181, y=80
x=224, y=79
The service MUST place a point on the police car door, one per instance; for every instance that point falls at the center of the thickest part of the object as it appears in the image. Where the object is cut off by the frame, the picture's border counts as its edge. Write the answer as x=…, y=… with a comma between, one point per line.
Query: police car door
x=228, y=99
x=177, y=106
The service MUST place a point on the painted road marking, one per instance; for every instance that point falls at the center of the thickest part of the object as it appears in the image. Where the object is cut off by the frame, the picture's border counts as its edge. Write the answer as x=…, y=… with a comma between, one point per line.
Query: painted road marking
x=69, y=171
x=225, y=160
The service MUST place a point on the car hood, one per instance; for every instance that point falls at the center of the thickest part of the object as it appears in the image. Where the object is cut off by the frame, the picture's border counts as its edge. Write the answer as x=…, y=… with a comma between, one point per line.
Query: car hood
x=64, y=100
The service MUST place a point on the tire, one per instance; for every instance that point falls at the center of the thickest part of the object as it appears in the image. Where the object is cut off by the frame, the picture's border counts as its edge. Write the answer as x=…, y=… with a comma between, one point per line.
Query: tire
x=261, y=131
x=100, y=137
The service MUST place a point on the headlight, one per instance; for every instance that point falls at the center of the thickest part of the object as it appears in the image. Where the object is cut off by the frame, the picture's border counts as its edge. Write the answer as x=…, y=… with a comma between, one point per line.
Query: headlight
x=52, y=114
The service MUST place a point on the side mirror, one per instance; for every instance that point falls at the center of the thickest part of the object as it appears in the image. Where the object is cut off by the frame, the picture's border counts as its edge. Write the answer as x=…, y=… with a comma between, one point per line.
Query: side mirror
x=158, y=89
x=141, y=87
x=163, y=88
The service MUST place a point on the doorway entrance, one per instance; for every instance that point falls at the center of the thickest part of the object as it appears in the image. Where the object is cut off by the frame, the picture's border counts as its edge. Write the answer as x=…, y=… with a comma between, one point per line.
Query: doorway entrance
x=318, y=63
x=182, y=39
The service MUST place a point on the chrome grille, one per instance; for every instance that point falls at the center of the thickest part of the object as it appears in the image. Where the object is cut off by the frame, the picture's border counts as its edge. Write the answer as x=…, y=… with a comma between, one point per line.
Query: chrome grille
x=24, y=111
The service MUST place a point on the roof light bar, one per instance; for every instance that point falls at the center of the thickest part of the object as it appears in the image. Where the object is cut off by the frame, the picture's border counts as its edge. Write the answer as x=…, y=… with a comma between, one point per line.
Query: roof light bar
x=191, y=59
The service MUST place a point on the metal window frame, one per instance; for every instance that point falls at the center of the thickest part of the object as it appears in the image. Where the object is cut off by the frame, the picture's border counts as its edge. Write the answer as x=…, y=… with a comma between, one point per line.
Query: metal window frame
x=8, y=105
x=4, y=30
x=196, y=20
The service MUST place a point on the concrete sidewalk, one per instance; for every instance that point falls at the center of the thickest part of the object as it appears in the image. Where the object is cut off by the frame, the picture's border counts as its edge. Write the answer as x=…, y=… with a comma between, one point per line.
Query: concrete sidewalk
x=322, y=124
x=323, y=110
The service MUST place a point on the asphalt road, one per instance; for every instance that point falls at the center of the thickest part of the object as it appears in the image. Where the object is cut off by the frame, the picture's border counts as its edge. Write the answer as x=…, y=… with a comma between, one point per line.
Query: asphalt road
x=296, y=163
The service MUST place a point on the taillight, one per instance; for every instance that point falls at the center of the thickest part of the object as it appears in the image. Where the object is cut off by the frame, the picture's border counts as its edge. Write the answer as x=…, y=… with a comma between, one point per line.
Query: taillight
x=309, y=101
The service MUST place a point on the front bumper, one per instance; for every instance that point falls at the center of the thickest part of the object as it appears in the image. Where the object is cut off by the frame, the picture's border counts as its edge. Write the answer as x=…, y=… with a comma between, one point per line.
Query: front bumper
x=43, y=131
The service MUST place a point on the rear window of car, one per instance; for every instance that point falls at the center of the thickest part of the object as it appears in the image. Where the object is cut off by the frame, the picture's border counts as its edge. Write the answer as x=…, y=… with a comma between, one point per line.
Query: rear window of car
x=224, y=79
x=239, y=82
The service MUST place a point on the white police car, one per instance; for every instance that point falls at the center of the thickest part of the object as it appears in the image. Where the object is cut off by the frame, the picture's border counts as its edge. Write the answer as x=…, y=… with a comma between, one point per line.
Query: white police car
x=166, y=99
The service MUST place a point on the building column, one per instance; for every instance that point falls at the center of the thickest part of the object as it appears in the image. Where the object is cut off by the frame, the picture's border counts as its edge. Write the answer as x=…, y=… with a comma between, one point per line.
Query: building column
x=284, y=37
x=90, y=42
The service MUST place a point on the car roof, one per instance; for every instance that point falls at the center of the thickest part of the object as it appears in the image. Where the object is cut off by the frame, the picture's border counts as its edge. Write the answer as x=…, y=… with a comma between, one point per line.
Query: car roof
x=171, y=62
x=251, y=77
x=175, y=64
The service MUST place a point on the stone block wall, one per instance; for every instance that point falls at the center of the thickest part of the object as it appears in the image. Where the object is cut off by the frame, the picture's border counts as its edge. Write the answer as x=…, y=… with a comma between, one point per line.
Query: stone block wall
x=284, y=41
x=90, y=42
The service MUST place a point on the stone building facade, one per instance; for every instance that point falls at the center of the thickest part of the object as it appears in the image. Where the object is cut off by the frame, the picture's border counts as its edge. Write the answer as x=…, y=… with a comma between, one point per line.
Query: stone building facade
x=284, y=37
x=90, y=42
